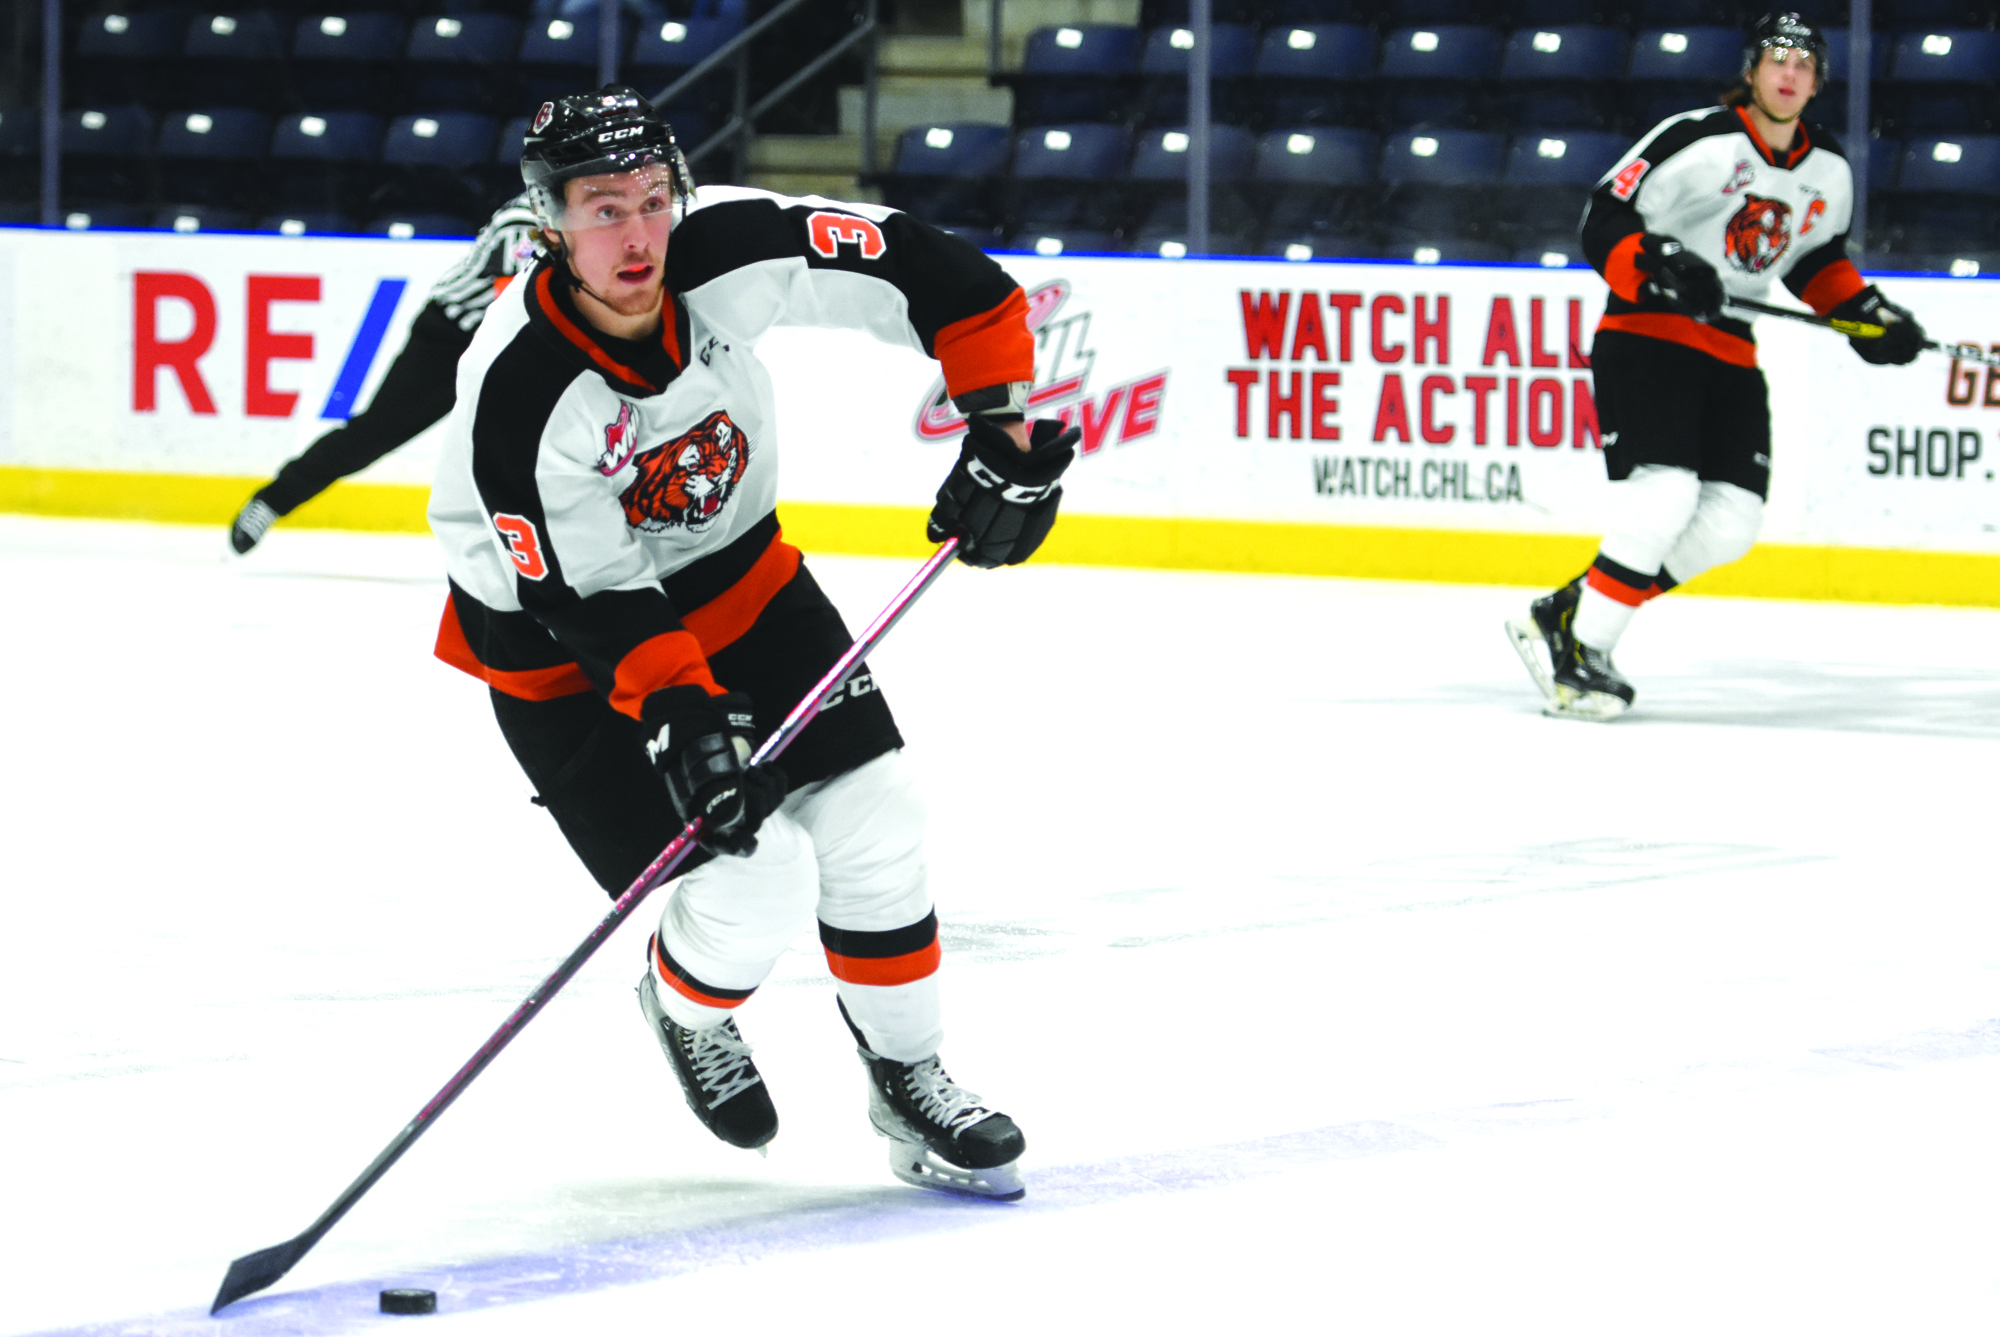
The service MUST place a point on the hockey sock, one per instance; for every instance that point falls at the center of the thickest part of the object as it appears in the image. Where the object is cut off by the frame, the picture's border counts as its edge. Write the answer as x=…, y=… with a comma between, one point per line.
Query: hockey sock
x=1612, y=592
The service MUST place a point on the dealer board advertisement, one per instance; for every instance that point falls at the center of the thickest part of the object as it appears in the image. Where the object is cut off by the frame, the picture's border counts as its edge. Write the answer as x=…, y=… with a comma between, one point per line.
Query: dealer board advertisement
x=1433, y=397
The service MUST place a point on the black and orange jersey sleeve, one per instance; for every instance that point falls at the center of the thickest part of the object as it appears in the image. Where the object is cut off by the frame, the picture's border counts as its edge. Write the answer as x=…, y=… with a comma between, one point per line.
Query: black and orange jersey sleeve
x=753, y=260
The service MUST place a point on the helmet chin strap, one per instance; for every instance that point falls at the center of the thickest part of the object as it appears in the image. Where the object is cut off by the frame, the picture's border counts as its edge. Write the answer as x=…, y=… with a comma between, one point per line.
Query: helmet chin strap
x=574, y=279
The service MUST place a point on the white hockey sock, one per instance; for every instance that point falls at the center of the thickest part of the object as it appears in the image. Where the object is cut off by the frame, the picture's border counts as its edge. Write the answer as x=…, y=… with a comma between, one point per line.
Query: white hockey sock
x=1600, y=620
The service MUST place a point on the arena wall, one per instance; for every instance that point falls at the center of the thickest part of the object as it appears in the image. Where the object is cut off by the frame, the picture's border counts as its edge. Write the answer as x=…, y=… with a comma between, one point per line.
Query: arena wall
x=1383, y=420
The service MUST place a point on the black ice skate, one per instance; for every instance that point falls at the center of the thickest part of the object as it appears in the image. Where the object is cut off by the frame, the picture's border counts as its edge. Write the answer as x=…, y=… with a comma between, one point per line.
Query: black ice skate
x=1589, y=686
x=722, y=1085
x=1548, y=623
x=941, y=1136
x=252, y=523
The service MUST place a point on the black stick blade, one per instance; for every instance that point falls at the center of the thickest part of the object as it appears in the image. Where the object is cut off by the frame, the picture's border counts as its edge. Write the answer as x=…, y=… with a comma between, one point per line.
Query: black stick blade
x=254, y=1271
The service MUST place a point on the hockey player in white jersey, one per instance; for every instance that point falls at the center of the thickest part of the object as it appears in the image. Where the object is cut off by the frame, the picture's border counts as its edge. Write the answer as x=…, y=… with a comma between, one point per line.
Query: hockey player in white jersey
x=1711, y=204
x=417, y=388
x=607, y=503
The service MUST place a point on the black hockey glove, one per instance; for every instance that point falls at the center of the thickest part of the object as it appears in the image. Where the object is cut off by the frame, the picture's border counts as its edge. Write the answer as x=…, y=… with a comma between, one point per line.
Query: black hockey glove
x=1900, y=346
x=999, y=499
x=1677, y=276
x=699, y=744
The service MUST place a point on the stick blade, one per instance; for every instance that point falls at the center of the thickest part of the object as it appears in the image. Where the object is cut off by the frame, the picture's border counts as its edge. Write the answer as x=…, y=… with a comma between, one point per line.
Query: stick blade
x=254, y=1271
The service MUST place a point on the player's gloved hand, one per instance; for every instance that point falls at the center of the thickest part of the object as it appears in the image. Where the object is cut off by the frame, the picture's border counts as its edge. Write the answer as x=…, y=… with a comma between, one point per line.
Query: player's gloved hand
x=1900, y=346
x=699, y=744
x=999, y=499
x=1678, y=277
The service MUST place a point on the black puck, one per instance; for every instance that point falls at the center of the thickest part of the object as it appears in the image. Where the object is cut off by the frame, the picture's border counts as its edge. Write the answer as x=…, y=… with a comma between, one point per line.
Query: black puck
x=409, y=1302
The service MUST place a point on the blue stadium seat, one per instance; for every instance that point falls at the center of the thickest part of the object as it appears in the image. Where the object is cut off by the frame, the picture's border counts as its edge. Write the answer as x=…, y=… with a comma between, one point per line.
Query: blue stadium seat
x=1284, y=13
x=948, y=173
x=1933, y=14
x=1443, y=157
x=557, y=56
x=452, y=139
x=198, y=217
x=1427, y=13
x=96, y=216
x=1162, y=155
x=1446, y=248
x=1167, y=50
x=1080, y=152
x=461, y=62
x=306, y=223
x=1562, y=157
x=1444, y=51
x=346, y=59
x=1065, y=241
x=404, y=226
x=1306, y=245
x=1954, y=57
x=1433, y=76
x=507, y=145
x=1964, y=165
x=1080, y=72
x=1551, y=13
x=214, y=132
x=333, y=136
x=463, y=39
x=125, y=54
x=20, y=131
x=1837, y=48
x=1313, y=74
x=674, y=46
x=1691, y=13
x=1646, y=105
x=1556, y=251
x=107, y=132
x=1564, y=53
x=1687, y=55
x=241, y=35
x=961, y=150
x=1317, y=156
x=234, y=57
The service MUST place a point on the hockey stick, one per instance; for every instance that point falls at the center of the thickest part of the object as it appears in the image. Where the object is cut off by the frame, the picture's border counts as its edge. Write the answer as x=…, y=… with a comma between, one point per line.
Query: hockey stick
x=1861, y=329
x=254, y=1271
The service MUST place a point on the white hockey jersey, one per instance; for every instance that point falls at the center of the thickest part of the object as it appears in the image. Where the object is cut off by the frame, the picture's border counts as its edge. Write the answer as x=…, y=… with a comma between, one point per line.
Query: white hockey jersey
x=608, y=506
x=1708, y=180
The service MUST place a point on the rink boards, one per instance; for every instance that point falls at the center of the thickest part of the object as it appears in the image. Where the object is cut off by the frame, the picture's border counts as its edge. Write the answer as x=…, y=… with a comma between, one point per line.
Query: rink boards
x=1400, y=421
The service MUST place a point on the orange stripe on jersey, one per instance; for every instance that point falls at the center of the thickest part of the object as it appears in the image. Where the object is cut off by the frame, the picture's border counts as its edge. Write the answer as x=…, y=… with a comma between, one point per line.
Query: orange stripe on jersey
x=991, y=348
x=1613, y=588
x=1621, y=269
x=568, y=329
x=724, y=619
x=1737, y=352
x=1832, y=286
x=671, y=659
x=886, y=970
x=541, y=684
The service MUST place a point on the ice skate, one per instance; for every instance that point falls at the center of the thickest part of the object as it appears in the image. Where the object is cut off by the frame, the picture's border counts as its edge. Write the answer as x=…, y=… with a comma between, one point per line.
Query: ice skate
x=941, y=1136
x=251, y=524
x=1589, y=686
x=722, y=1085
x=1547, y=623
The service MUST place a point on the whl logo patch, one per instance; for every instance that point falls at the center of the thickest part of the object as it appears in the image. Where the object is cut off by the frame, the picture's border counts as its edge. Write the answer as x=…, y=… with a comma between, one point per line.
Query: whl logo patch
x=686, y=483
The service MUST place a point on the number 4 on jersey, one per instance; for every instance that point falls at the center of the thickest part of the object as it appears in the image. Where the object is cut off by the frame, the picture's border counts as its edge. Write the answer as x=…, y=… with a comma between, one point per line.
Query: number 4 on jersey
x=524, y=545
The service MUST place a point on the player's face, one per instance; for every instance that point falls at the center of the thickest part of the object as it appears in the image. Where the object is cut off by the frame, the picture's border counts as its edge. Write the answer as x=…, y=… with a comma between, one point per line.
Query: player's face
x=1783, y=82
x=616, y=229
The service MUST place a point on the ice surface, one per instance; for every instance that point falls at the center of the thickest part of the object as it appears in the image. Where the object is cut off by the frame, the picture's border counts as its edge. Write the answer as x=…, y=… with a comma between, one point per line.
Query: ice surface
x=1334, y=987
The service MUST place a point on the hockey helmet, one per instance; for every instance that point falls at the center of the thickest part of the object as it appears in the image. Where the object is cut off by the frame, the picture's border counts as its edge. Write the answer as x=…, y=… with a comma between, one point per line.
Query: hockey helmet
x=1788, y=30
x=591, y=134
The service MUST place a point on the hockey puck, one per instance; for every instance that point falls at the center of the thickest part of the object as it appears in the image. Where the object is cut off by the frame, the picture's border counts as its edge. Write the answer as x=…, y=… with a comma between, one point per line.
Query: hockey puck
x=409, y=1302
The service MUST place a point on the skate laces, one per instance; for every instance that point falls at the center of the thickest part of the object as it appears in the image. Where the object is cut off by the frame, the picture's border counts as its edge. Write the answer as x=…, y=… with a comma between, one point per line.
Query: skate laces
x=721, y=1060
x=941, y=1100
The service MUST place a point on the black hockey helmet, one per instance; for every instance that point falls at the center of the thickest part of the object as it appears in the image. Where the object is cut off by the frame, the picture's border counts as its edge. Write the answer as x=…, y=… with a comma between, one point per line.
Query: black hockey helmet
x=590, y=134
x=1787, y=30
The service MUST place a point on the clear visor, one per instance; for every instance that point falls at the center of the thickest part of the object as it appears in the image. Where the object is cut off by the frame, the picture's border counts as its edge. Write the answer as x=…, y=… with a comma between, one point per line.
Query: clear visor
x=613, y=199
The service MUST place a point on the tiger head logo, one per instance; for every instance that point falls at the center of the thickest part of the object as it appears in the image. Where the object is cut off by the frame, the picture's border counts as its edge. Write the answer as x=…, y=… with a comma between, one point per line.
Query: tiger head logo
x=1758, y=234
x=687, y=482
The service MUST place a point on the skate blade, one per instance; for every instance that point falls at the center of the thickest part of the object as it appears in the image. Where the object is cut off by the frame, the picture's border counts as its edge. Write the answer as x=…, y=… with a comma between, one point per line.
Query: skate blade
x=920, y=1166
x=1524, y=636
x=1597, y=707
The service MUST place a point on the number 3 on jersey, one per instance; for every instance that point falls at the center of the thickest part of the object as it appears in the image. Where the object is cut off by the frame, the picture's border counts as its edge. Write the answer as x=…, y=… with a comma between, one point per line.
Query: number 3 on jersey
x=827, y=230
x=524, y=545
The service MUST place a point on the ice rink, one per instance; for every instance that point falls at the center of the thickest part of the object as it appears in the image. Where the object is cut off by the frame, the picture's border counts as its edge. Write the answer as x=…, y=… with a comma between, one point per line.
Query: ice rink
x=1336, y=989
